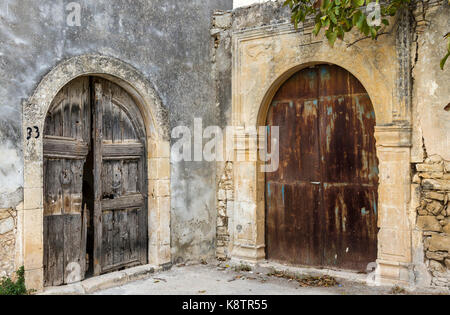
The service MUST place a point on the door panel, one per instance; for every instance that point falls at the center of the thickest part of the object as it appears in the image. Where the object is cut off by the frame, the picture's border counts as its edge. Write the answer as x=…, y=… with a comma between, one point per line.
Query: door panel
x=321, y=203
x=103, y=179
x=65, y=148
x=121, y=208
x=292, y=193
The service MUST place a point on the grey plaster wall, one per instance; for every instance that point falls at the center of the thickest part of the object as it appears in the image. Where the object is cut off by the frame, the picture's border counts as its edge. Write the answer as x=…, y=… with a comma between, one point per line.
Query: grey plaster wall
x=431, y=89
x=168, y=41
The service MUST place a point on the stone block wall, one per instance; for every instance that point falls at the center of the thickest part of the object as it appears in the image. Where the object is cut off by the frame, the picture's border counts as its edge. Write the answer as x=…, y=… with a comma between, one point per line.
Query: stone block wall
x=433, y=177
x=221, y=71
x=8, y=223
x=225, y=196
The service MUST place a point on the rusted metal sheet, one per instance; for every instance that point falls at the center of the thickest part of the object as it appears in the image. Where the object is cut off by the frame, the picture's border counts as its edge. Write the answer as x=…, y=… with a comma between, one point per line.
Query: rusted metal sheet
x=321, y=205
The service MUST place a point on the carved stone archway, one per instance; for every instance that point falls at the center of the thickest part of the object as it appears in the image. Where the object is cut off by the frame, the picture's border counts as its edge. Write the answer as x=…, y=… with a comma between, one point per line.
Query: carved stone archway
x=263, y=59
x=158, y=146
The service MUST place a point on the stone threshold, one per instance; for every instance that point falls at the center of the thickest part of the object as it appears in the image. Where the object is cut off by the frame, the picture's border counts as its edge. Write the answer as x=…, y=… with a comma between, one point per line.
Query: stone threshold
x=105, y=281
x=265, y=265
x=339, y=274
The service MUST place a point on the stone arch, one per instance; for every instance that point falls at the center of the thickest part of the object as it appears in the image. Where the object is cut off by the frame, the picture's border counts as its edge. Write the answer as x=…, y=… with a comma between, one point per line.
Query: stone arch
x=280, y=80
x=115, y=70
x=155, y=120
x=262, y=121
x=264, y=58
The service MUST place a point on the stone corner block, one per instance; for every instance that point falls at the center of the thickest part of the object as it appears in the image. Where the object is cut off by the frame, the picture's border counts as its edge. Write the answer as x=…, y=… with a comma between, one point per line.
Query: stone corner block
x=429, y=223
x=71, y=289
x=104, y=282
x=140, y=272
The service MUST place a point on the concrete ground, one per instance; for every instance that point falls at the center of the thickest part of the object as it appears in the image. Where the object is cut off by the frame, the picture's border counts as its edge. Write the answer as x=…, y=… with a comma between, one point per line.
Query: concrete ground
x=222, y=279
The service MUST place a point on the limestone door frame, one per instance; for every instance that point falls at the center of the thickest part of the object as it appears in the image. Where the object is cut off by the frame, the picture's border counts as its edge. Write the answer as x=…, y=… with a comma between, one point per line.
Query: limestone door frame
x=158, y=155
x=263, y=59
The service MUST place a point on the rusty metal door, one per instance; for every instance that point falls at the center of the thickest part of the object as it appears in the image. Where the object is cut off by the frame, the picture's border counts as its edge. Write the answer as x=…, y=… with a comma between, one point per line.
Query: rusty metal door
x=321, y=204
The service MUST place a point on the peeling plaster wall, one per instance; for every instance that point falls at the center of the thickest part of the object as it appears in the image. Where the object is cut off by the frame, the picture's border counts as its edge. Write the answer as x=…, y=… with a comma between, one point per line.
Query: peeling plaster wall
x=411, y=89
x=168, y=41
x=431, y=146
x=431, y=85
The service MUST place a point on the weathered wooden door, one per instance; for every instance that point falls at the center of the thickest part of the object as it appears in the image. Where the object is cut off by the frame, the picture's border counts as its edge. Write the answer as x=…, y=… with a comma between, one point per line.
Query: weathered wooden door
x=94, y=182
x=321, y=204
x=66, y=145
x=120, y=214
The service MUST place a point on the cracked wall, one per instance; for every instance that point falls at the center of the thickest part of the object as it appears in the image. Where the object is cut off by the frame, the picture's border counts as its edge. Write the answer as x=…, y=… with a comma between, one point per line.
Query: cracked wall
x=168, y=42
x=409, y=91
x=431, y=145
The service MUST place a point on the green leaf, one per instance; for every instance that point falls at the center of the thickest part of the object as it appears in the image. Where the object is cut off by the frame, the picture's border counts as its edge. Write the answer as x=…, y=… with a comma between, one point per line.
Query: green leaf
x=333, y=18
x=356, y=17
x=365, y=28
x=357, y=3
x=317, y=28
x=324, y=5
x=331, y=36
x=444, y=60
x=385, y=22
x=361, y=21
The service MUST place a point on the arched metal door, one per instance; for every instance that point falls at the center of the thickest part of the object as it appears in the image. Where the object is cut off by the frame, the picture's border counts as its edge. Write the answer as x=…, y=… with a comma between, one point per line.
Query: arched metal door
x=321, y=204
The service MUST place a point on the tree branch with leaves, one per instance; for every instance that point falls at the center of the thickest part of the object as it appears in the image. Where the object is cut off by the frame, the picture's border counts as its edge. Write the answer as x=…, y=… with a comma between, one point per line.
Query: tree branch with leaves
x=338, y=17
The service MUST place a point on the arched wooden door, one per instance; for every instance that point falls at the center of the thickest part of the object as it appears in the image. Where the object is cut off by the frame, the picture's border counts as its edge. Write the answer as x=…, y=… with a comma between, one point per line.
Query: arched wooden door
x=95, y=189
x=321, y=204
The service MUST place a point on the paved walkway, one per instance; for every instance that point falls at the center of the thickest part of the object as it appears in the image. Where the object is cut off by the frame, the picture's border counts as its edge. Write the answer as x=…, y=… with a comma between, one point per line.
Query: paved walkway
x=216, y=280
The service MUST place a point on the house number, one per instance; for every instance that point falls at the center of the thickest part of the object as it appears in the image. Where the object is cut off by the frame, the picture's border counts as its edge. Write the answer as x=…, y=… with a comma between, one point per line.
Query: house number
x=37, y=134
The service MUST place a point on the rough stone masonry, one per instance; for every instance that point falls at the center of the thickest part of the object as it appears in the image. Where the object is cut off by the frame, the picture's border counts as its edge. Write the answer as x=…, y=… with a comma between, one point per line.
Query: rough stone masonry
x=432, y=180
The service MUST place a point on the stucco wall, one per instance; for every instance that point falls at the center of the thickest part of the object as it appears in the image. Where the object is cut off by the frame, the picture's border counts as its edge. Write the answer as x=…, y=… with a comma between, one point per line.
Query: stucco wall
x=431, y=84
x=431, y=145
x=167, y=41
x=401, y=73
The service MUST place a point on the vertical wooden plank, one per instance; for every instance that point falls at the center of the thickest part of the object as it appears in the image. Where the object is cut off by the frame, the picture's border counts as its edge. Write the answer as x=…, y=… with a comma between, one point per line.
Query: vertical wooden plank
x=132, y=176
x=87, y=114
x=142, y=242
x=67, y=130
x=107, y=245
x=57, y=119
x=116, y=130
x=125, y=179
x=98, y=149
x=107, y=110
x=84, y=226
x=133, y=245
x=72, y=248
x=53, y=250
x=76, y=93
x=117, y=237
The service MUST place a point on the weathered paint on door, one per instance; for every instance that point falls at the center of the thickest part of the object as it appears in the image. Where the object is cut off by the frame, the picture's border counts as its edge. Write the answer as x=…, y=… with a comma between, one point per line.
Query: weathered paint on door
x=120, y=214
x=95, y=205
x=321, y=204
x=66, y=146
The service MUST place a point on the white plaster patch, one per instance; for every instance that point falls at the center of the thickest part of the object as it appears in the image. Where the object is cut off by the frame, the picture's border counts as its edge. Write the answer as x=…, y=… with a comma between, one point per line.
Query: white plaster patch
x=11, y=173
x=6, y=226
x=433, y=87
x=243, y=3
